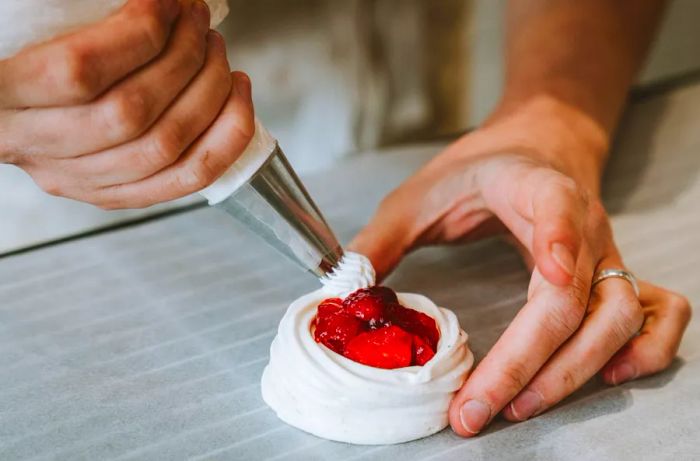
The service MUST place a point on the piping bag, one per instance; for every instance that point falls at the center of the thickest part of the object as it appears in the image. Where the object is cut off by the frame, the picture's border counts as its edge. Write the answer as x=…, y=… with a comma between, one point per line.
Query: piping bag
x=262, y=191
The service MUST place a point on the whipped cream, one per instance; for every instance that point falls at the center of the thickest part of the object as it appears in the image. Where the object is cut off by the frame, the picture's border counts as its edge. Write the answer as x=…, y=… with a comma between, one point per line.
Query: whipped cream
x=354, y=271
x=314, y=389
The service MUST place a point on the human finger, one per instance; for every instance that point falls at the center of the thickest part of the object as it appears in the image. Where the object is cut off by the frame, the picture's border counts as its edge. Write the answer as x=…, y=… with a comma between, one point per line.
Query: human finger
x=614, y=316
x=76, y=67
x=667, y=315
x=188, y=117
x=203, y=162
x=551, y=315
x=545, y=210
x=127, y=109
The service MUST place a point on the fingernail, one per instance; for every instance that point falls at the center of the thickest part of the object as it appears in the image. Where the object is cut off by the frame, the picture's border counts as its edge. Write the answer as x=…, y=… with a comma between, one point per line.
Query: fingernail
x=623, y=372
x=526, y=405
x=474, y=415
x=562, y=255
x=200, y=10
x=243, y=86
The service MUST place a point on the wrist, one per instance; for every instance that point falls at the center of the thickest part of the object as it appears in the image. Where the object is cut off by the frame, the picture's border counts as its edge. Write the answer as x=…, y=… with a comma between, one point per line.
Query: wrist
x=554, y=132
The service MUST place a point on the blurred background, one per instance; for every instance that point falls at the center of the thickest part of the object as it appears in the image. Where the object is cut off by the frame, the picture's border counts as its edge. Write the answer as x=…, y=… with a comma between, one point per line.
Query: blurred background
x=333, y=79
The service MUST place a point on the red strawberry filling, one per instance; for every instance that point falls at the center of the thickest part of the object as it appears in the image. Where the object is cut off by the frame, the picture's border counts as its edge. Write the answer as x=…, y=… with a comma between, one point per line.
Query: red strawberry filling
x=371, y=327
x=421, y=350
x=335, y=331
x=387, y=347
x=366, y=306
x=416, y=322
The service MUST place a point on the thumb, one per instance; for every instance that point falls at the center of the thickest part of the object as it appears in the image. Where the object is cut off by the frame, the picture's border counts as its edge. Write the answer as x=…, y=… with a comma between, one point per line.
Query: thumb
x=559, y=211
x=544, y=210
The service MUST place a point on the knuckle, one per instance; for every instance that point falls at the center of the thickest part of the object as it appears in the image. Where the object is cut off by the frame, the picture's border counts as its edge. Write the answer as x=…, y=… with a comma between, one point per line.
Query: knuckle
x=127, y=114
x=154, y=27
x=215, y=39
x=564, y=320
x=661, y=356
x=205, y=173
x=223, y=78
x=583, y=195
x=681, y=305
x=579, y=293
x=515, y=374
x=667, y=356
x=566, y=185
x=243, y=125
x=597, y=215
x=193, y=56
x=598, y=229
x=629, y=319
x=568, y=378
x=76, y=76
x=166, y=147
x=199, y=175
x=590, y=352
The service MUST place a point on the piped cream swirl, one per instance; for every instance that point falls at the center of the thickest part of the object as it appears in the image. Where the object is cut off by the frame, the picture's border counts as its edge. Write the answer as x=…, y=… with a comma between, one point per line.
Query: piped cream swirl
x=323, y=393
x=354, y=271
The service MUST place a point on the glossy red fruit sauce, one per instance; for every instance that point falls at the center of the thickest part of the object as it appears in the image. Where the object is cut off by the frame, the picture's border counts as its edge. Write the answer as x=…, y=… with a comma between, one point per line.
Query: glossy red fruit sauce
x=371, y=327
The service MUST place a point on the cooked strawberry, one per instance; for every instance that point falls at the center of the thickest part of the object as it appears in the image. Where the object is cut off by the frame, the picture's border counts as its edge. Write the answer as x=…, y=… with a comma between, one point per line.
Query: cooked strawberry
x=414, y=322
x=387, y=347
x=387, y=294
x=366, y=304
x=422, y=352
x=336, y=330
x=330, y=306
x=371, y=327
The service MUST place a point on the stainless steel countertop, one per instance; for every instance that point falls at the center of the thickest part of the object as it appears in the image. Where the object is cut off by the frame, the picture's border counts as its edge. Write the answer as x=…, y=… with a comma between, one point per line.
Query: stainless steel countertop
x=148, y=342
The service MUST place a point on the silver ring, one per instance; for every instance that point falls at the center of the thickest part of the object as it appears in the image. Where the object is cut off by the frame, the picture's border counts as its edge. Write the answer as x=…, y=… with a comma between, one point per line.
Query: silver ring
x=616, y=273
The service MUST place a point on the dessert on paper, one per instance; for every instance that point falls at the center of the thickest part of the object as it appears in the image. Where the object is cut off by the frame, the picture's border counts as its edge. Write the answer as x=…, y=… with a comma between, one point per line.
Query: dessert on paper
x=365, y=365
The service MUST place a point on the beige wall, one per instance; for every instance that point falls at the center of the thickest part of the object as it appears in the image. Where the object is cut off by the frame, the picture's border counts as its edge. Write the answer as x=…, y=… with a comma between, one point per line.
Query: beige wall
x=392, y=70
x=674, y=53
x=677, y=50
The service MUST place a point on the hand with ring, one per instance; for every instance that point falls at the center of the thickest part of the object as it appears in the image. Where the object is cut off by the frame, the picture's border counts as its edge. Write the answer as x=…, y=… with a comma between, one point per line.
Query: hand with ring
x=493, y=181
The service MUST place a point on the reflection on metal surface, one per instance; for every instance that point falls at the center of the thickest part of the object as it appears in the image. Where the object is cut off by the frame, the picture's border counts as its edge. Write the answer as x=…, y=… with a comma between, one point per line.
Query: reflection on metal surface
x=275, y=206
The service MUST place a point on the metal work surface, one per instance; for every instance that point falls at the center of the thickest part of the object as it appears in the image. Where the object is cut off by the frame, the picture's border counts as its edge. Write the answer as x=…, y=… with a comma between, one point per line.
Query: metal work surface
x=148, y=342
